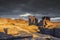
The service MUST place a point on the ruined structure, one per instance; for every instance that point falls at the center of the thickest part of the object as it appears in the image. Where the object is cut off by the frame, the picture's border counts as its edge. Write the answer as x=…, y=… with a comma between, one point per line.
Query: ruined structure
x=32, y=20
x=47, y=23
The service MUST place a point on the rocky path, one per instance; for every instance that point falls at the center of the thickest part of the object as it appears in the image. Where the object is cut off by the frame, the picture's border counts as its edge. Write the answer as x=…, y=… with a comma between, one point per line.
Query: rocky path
x=26, y=36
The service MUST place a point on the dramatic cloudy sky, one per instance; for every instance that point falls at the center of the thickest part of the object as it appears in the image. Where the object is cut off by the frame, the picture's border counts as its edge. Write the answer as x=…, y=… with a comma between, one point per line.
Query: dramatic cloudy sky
x=23, y=8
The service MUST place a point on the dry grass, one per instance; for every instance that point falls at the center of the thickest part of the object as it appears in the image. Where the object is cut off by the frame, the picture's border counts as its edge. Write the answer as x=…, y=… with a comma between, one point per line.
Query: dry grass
x=15, y=26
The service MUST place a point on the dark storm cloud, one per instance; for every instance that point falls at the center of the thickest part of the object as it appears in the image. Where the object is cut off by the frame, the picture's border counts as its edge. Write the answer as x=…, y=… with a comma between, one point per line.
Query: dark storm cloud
x=35, y=7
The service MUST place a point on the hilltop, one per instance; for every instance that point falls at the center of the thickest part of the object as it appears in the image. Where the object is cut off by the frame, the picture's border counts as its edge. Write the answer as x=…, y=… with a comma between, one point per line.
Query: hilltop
x=15, y=26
